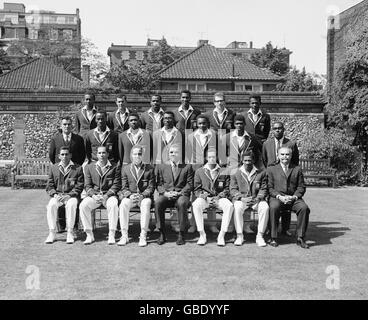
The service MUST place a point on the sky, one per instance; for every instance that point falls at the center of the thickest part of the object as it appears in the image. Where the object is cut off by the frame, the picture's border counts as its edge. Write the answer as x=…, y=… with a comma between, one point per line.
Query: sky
x=300, y=26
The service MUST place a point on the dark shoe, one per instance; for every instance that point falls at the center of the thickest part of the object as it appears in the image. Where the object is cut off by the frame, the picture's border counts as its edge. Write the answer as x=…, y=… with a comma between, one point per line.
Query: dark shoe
x=180, y=240
x=162, y=239
x=274, y=243
x=286, y=233
x=301, y=243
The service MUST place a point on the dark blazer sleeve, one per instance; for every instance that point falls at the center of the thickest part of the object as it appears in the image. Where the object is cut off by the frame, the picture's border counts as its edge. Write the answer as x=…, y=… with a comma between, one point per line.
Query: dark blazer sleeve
x=51, y=185
x=88, y=148
x=52, y=150
x=78, y=188
x=88, y=185
x=267, y=125
x=198, y=191
x=263, y=190
x=78, y=124
x=116, y=186
x=300, y=190
x=264, y=154
x=186, y=191
x=121, y=147
x=234, y=188
x=81, y=150
x=295, y=155
x=160, y=181
x=143, y=121
x=115, y=147
x=271, y=182
x=148, y=193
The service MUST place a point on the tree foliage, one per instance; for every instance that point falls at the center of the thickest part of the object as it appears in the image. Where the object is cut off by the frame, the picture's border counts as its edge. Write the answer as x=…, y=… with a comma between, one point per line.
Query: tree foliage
x=5, y=63
x=300, y=81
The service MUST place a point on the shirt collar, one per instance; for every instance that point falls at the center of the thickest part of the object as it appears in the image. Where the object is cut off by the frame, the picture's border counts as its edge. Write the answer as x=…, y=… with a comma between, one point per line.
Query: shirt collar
x=190, y=108
x=107, y=130
x=281, y=140
x=234, y=134
x=67, y=135
x=254, y=171
x=172, y=130
x=161, y=111
x=217, y=167
x=71, y=163
x=93, y=108
x=198, y=133
x=258, y=114
x=125, y=113
x=108, y=164
x=138, y=132
x=215, y=110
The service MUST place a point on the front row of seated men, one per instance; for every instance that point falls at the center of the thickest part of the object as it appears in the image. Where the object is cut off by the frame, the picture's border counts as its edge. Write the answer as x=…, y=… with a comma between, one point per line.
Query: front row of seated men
x=268, y=192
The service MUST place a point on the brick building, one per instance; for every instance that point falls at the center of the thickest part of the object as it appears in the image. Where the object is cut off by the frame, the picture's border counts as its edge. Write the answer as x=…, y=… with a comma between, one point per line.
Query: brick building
x=38, y=26
x=341, y=30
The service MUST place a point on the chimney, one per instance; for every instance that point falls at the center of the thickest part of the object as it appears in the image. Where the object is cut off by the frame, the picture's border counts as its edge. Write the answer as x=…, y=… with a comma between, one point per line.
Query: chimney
x=200, y=42
x=251, y=44
x=86, y=74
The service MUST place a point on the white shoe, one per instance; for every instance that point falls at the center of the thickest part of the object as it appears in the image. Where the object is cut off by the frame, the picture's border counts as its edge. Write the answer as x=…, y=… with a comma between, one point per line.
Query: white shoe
x=70, y=237
x=239, y=241
x=90, y=239
x=123, y=241
x=142, y=241
x=221, y=241
x=51, y=237
x=192, y=229
x=260, y=241
x=214, y=229
x=111, y=237
x=202, y=240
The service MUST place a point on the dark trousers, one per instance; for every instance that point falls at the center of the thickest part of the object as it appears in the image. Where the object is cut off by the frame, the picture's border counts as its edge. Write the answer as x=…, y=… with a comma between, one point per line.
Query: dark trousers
x=285, y=221
x=299, y=207
x=182, y=204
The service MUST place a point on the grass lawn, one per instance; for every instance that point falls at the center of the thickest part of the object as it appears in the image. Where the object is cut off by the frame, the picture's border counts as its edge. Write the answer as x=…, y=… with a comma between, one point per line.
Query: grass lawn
x=337, y=235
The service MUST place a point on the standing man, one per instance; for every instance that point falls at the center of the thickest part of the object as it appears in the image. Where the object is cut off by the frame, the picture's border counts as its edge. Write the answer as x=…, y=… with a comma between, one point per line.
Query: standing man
x=286, y=188
x=138, y=184
x=248, y=188
x=134, y=136
x=102, y=183
x=66, y=138
x=270, y=151
x=101, y=136
x=257, y=122
x=118, y=120
x=64, y=186
x=86, y=116
x=174, y=185
x=151, y=120
x=185, y=115
x=211, y=187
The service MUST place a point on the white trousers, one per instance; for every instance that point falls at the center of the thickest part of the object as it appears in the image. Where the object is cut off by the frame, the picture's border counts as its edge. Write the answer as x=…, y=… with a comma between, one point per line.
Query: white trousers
x=199, y=205
x=124, y=209
x=262, y=210
x=88, y=204
x=70, y=212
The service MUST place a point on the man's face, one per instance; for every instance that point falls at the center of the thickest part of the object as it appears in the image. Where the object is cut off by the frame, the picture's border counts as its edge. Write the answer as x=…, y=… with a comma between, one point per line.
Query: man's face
x=248, y=163
x=278, y=130
x=66, y=126
x=89, y=101
x=168, y=120
x=219, y=102
x=65, y=156
x=102, y=154
x=285, y=156
x=202, y=124
x=120, y=102
x=101, y=120
x=137, y=156
x=254, y=104
x=185, y=99
x=155, y=103
x=239, y=125
x=211, y=158
x=133, y=122
x=174, y=154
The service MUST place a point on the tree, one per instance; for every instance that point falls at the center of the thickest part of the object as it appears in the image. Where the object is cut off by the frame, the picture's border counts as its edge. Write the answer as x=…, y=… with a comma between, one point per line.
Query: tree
x=300, y=81
x=5, y=63
x=272, y=58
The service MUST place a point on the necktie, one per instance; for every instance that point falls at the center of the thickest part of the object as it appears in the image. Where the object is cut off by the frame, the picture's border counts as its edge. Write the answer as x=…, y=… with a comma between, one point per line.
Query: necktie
x=175, y=170
x=278, y=146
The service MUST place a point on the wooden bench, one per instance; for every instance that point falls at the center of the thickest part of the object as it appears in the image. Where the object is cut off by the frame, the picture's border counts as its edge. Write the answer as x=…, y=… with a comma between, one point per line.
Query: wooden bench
x=31, y=170
x=318, y=168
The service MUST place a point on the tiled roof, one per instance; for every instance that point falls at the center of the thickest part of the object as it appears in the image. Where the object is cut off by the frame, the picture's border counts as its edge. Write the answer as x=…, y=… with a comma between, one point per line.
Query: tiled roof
x=40, y=73
x=206, y=63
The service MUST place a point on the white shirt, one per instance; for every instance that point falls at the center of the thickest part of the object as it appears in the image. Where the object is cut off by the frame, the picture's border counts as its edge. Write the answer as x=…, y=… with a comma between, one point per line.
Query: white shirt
x=134, y=136
x=249, y=175
x=285, y=168
x=221, y=115
x=255, y=117
x=67, y=137
x=102, y=135
x=240, y=139
x=65, y=169
x=90, y=113
x=137, y=168
x=184, y=112
x=168, y=134
x=104, y=168
x=156, y=115
x=276, y=142
x=214, y=171
x=123, y=116
x=203, y=136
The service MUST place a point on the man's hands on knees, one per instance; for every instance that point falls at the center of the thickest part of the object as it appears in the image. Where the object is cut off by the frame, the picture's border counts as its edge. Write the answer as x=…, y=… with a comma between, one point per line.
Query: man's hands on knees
x=172, y=195
x=249, y=201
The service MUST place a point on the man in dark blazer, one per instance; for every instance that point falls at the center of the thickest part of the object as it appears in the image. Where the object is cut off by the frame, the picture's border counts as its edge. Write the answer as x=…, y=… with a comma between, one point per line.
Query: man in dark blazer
x=211, y=188
x=269, y=156
x=286, y=188
x=102, y=181
x=137, y=187
x=86, y=115
x=118, y=120
x=101, y=136
x=151, y=120
x=132, y=137
x=64, y=186
x=174, y=185
x=66, y=138
x=257, y=122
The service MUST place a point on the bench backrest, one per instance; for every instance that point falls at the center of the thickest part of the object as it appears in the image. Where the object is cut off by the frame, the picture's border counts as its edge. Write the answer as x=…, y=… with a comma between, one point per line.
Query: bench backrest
x=38, y=166
x=315, y=164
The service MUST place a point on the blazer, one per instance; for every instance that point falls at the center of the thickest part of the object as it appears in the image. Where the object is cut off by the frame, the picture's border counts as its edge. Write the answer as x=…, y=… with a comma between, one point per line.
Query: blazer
x=125, y=146
x=70, y=183
x=241, y=187
x=186, y=123
x=114, y=123
x=83, y=123
x=131, y=183
x=161, y=147
x=76, y=147
x=269, y=152
x=92, y=142
x=261, y=129
x=280, y=183
x=227, y=122
x=147, y=121
x=183, y=182
x=194, y=152
x=109, y=183
x=219, y=187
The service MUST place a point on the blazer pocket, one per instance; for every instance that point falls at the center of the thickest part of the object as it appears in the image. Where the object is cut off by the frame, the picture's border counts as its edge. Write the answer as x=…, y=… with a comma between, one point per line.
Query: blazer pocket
x=71, y=182
x=144, y=183
x=109, y=182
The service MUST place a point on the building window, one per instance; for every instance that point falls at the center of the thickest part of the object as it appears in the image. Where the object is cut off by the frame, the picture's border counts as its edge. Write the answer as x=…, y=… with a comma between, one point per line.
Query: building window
x=60, y=20
x=68, y=34
x=241, y=87
x=33, y=34
x=139, y=55
x=125, y=55
x=192, y=86
x=54, y=34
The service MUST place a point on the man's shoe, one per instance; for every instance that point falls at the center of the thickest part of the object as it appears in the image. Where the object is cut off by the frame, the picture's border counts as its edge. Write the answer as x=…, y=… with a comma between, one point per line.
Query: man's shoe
x=260, y=241
x=51, y=237
x=239, y=241
x=301, y=243
x=192, y=229
x=142, y=241
x=180, y=240
x=70, y=237
x=161, y=239
x=221, y=241
x=111, y=237
x=202, y=240
x=274, y=243
x=90, y=239
x=123, y=240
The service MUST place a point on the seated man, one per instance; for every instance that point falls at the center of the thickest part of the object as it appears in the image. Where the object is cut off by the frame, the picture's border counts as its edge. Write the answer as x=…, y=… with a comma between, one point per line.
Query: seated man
x=64, y=185
x=102, y=183
x=174, y=185
x=286, y=188
x=248, y=188
x=211, y=188
x=138, y=184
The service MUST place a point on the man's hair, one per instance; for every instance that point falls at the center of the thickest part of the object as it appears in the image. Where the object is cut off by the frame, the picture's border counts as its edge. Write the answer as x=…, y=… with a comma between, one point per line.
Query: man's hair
x=106, y=149
x=249, y=153
x=212, y=149
x=186, y=91
x=156, y=95
x=278, y=122
x=239, y=117
x=100, y=111
x=255, y=96
x=137, y=146
x=202, y=116
x=69, y=118
x=175, y=146
x=285, y=147
x=121, y=96
x=170, y=112
x=64, y=148
x=219, y=94
x=90, y=93
x=133, y=114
